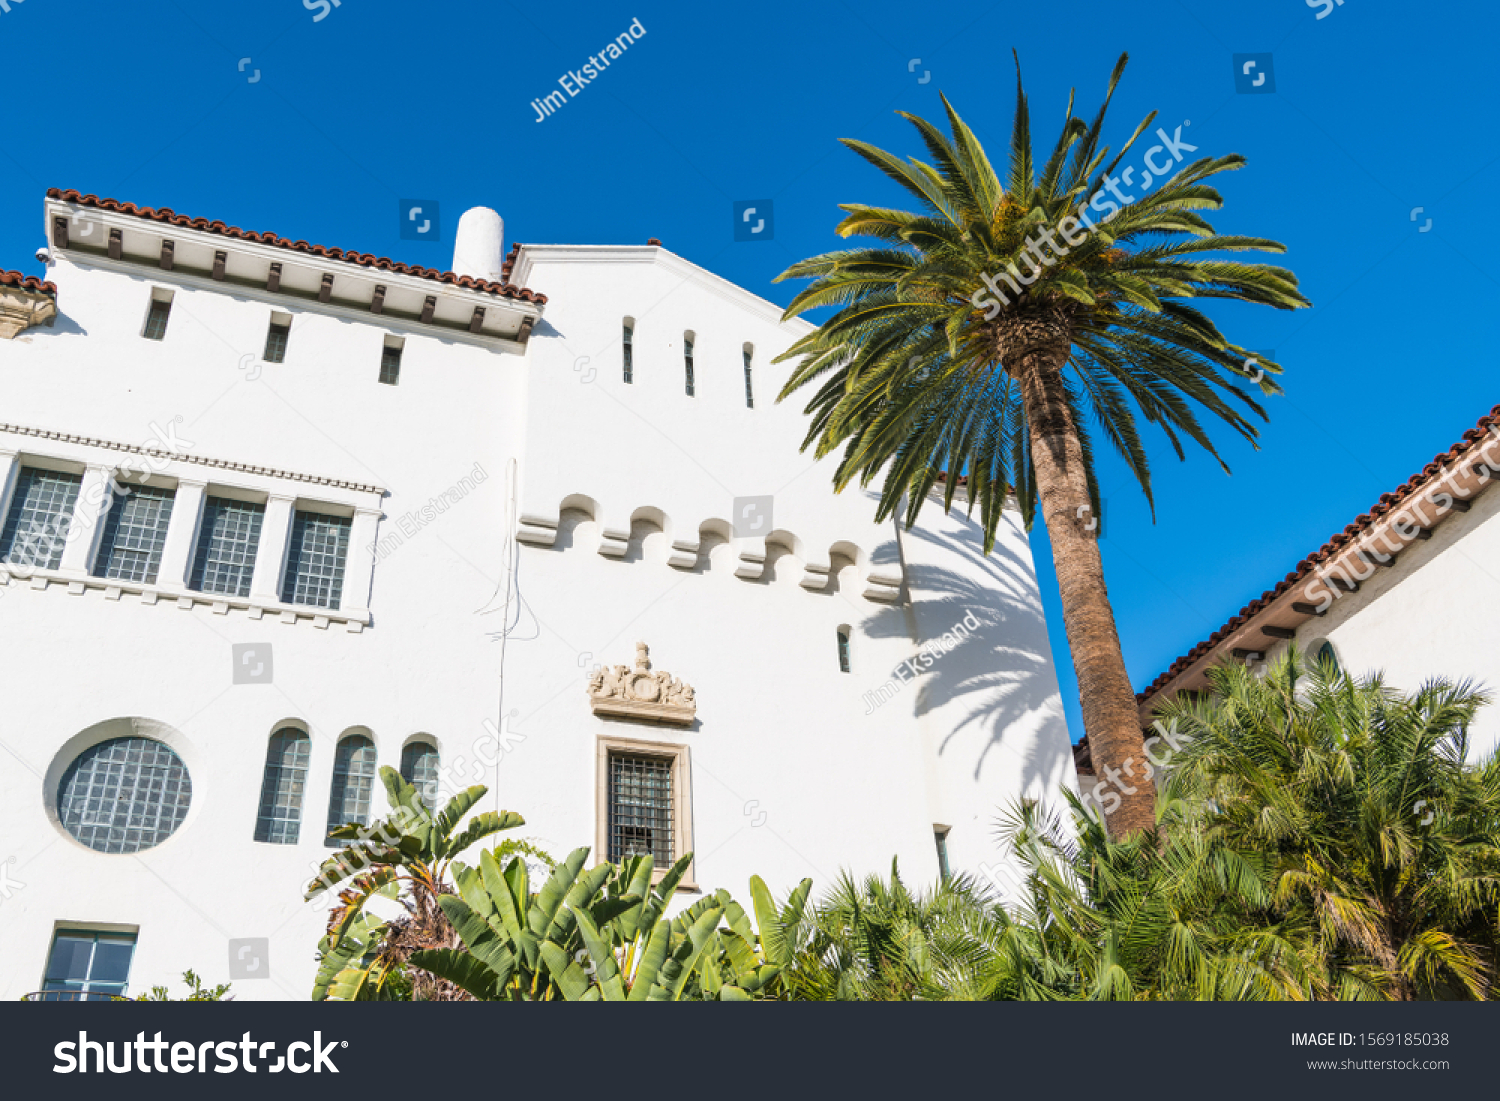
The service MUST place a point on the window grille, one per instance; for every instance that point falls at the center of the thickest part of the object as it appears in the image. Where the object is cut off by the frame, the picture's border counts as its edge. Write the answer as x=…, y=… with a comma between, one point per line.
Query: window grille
x=419, y=768
x=124, y=795
x=156, y=320
x=40, y=514
x=276, y=339
x=315, y=563
x=230, y=535
x=353, y=784
x=85, y=966
x=134, y=534
x=282, y=787
x=641, y=819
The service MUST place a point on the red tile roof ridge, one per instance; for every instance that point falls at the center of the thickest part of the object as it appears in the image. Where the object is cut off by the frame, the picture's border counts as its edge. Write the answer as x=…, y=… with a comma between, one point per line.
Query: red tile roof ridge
x=27, y=282
x=349, y=256
x=1340, y=539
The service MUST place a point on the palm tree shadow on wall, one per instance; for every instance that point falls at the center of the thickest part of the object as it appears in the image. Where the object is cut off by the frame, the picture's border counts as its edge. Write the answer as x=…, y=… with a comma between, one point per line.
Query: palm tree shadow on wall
x=1001, y=671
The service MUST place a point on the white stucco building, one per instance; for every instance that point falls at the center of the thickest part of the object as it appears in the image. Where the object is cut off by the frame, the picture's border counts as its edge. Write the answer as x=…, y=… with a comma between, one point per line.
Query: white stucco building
x=1408, y=588
x=379, y=515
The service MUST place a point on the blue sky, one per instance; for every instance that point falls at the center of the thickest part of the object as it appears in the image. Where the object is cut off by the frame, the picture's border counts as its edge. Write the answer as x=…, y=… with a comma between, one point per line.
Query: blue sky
x=1374, y=114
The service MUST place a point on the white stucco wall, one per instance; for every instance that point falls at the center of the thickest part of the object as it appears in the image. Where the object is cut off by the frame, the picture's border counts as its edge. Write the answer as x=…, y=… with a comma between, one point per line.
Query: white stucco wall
x=791, y=777
x=1429, y=615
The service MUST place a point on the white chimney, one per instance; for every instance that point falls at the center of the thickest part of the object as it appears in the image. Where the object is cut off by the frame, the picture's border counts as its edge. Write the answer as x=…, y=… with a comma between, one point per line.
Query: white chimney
x=479, y=246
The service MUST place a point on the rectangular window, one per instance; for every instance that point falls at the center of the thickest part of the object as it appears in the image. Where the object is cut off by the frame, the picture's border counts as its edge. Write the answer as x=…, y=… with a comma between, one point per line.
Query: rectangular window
x=687, y=353
x=629, y=352
x=940, y=835
x=843, y=651
x=390, y=365
x=641, y=818
x=36, y=528
x=134, y=533
x=227, y=543
x=276, y=338
x=156, y=319
x=315, y=563
x=86, y=966
x=749, y=389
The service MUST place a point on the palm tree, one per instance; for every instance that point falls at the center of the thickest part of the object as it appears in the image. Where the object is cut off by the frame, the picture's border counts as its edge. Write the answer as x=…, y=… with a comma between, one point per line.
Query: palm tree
x=1383, y=837
x=1168, y=914
x=946, y=358
x=407, y=856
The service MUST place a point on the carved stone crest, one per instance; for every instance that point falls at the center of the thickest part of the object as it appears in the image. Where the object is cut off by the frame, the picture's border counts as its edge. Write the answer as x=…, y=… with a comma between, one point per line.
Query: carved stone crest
x=641, y=694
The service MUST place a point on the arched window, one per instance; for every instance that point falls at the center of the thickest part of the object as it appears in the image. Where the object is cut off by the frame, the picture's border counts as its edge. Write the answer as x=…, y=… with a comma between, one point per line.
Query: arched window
x=353, y=783
x=628, y=349
x=282, y=786
x=124, y=795
x=843, y=649
x=749, y=386
x=419, y=768
x=1324, y=652
x=687, y=356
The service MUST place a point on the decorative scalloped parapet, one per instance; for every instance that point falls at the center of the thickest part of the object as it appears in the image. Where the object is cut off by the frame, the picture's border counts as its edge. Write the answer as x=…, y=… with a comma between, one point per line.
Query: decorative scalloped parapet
x=883, y=585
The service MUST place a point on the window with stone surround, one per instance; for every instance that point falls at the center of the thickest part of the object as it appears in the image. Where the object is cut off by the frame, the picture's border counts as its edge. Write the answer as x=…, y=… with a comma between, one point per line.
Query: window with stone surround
x=645, y=803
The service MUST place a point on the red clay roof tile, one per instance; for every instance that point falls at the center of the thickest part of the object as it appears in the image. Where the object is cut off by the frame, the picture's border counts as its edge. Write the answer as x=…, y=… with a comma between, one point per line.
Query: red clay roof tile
x=27, y=282
x=167, y=214
x=1361, y=523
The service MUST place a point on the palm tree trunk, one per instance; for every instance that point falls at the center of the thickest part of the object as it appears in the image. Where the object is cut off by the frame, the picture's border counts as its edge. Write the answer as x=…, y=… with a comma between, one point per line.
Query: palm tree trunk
x=1109, y=711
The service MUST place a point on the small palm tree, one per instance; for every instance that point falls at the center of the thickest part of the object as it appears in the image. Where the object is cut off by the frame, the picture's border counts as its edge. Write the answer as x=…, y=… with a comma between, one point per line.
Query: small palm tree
x=983, y=331
x=407, y=856
x=1383, y=837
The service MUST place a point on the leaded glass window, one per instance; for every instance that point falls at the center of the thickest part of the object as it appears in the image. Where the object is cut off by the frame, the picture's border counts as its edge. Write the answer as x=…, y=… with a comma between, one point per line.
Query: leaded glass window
x=276, y=340
x=227, y=543
x=641, y=820
x=36, y=528
x=843, y=651
x=390, y=366
x=282, y=787
x=419, y=768
x=629, y=353
x=85, y=966
x=687, y=355
x=124, y=795
x=134, y=534
x=315, y=564
x=353, y=783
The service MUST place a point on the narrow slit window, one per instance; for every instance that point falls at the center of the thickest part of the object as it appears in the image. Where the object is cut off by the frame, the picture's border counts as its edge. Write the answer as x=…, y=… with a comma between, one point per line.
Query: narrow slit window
x=282, y=787
x=41, y=512
x=687, y=356
x=749, y=384
x=390, y=364
x=843, y=650
x=276, y=338
x=315, y=563
x=134, y=534
x=629, y=352
x=940, y=836
x=156, y=318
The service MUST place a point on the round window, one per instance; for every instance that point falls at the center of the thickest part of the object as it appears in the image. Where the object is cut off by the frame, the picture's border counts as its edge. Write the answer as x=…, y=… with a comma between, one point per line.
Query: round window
x=124, y=795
